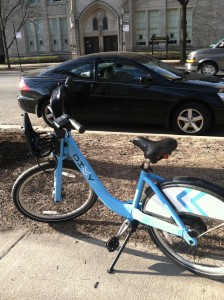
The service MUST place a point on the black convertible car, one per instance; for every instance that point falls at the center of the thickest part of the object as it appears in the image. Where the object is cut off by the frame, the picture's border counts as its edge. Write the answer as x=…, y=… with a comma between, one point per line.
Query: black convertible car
x=130, y=88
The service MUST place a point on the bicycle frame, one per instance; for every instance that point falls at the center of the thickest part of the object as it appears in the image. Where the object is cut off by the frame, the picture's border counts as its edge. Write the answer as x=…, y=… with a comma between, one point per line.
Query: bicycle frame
x=130, y=209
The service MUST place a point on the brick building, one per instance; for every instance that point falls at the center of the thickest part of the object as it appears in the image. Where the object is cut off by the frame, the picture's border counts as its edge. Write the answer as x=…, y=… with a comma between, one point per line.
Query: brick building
x=68, y=27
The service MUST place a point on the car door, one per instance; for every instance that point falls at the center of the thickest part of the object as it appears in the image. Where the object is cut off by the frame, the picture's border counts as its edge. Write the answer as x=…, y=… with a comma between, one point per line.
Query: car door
x=121, y=96
x=78, y=101
x=218, y=54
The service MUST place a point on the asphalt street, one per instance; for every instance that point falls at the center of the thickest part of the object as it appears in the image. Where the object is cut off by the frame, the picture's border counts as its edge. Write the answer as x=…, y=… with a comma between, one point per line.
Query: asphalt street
x=10, y=112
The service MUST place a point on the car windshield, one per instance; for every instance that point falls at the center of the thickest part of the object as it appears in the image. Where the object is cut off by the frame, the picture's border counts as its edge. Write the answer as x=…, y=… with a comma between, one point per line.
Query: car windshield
x=163, y=69
x=216, y=42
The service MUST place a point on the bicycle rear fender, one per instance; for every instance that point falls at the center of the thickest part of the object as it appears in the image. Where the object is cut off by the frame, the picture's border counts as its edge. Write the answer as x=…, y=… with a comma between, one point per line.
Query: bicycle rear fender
x=188, y=195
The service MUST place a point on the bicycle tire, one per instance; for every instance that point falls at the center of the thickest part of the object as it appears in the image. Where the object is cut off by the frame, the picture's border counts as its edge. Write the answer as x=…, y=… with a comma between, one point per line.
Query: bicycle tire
x=207, y=258
x=32, y=193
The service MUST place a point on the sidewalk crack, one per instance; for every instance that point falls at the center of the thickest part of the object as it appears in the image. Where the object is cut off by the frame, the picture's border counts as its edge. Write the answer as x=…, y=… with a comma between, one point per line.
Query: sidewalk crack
x=14, y=244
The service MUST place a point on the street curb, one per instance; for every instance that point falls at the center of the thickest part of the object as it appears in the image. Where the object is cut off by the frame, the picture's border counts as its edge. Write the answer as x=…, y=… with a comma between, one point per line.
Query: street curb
x=18, y=127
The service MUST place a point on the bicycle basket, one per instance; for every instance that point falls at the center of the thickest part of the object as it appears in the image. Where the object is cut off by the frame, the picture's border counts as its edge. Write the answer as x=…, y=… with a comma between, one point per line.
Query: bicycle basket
x=40, y=144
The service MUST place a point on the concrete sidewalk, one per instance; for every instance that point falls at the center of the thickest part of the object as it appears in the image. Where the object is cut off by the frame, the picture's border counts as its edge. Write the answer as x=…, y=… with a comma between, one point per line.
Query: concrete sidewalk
x=73, y=266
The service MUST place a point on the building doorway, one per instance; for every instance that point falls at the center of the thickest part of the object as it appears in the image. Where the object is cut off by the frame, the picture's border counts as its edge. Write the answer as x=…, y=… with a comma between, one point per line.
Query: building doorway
x=110, y=43
x=98, y=28
x=91, y=45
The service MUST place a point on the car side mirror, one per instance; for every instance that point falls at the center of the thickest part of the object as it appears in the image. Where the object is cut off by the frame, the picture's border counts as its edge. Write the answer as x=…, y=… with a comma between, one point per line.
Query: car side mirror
x=146, y=80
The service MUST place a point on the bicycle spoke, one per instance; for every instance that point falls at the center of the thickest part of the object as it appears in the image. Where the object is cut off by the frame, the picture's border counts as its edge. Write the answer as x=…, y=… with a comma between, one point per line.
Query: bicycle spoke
x=33, y=194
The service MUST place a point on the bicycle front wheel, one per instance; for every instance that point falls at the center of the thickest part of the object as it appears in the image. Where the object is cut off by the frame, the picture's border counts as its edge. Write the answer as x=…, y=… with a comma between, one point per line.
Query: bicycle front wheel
x=205, y=259
x=33, y=193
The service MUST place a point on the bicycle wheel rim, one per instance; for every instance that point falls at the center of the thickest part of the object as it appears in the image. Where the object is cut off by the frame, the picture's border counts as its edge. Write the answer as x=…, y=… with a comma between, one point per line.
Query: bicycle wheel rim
x=205, y=259
x=34, y=189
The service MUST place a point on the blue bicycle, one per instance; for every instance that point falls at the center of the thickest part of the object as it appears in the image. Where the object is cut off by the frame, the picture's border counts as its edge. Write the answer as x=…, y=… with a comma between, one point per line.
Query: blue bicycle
x=184, y=215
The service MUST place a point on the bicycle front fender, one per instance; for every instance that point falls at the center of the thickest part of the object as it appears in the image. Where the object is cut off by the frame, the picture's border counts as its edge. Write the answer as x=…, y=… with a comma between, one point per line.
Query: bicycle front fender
x=188, y=195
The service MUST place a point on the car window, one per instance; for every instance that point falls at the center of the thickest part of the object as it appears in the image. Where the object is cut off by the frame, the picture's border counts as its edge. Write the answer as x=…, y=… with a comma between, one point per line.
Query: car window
x=165, y=73
x=119, y=72
x=84, y=71
x=80, y=71
x=165, y=70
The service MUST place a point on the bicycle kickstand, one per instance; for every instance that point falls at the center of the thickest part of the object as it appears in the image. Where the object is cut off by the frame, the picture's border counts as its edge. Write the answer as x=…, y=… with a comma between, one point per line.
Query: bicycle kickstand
x=113, y=243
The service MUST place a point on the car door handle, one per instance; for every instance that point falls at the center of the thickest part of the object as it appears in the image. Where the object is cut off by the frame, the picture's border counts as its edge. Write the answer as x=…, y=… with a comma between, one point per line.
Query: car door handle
x=102, y=93
x=97, y=91
x=100, y=90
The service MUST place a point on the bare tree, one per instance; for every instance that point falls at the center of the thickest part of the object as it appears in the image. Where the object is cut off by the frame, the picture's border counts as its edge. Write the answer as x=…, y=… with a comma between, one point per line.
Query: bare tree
x=10, y=10
x=183, y=29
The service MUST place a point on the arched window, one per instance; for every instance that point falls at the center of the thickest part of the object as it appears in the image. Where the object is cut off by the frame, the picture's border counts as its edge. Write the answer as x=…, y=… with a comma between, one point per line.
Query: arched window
x=95, y=24
x=105, y=23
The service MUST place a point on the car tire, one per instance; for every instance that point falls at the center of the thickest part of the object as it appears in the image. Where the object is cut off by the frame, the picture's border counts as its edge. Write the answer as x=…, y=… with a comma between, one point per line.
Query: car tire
x=209, y=68
x=191, y=119
x=47, y=113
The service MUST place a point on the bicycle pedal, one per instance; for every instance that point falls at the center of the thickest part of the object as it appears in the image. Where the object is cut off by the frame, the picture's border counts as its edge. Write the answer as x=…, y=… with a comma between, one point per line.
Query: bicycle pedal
x=112, y=244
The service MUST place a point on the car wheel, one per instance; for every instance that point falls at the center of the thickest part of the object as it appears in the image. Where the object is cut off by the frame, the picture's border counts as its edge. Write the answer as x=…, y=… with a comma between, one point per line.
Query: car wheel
x=208, y=68
x=191, y=118
x=47, y=113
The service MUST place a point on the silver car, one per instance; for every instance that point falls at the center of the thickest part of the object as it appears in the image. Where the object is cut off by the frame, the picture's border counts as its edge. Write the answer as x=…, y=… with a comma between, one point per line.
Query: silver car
x=208, y=61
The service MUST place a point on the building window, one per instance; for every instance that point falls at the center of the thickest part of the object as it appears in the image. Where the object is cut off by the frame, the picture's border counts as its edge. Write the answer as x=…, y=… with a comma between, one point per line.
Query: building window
x=33, y=1
x=30, y=32
x=153, y=22
x=40, y=35
x=105, y=23
x=54, y=1
x=95, y=23
x=59, y=34
x=35, y=36
x=64, y=33
x=189, y=25
x=172, y=26
x=140, y=28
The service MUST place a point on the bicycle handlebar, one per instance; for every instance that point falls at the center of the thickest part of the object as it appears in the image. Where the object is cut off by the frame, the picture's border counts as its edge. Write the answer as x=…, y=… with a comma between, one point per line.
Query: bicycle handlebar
x=65, y=121
x=76, y=125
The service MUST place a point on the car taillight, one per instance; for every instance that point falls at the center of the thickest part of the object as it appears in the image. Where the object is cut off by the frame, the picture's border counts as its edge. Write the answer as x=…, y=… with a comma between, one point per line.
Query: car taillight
x=23, y=86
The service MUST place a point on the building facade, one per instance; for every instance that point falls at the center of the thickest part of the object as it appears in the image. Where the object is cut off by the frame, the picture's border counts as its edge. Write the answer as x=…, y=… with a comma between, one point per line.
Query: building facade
x=71, y=27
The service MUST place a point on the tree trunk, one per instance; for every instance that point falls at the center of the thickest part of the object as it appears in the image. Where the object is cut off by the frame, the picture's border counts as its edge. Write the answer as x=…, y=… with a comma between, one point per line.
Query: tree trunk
x=183, y=29
x=6, y=50
x=183, y=33
x=22, y=11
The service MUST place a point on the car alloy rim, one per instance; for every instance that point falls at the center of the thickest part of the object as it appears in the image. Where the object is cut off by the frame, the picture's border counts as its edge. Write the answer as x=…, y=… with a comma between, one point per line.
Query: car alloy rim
x=49, y=115
x=190, y=120
x=208, y=70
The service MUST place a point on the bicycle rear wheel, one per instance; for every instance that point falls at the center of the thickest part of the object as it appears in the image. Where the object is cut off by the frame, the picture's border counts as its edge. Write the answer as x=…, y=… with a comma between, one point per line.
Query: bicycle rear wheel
x=32, y=193
x=205, y=259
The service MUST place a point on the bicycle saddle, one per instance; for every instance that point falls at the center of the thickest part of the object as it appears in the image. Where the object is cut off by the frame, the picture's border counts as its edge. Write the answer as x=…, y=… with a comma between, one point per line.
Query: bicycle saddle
x=155, y=150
